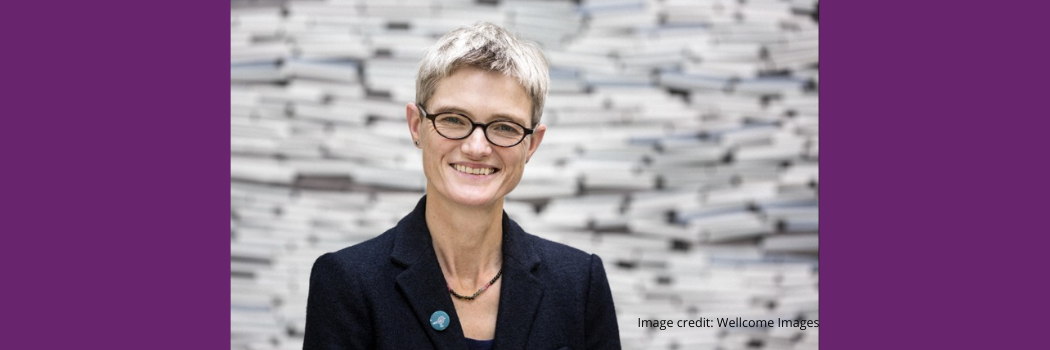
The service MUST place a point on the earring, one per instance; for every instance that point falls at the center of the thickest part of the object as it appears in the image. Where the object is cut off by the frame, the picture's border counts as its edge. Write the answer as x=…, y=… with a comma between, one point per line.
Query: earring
x=417, y=142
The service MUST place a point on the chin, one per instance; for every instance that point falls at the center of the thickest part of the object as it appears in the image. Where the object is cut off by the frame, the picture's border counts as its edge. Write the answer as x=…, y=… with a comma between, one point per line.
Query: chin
x=473, y=196
x=473, y=190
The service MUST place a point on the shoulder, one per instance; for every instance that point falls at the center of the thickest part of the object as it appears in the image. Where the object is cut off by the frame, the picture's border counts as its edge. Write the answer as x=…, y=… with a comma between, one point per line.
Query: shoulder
x=559, y=263
x=528, y=244
x=553, y=251
x=364, y=256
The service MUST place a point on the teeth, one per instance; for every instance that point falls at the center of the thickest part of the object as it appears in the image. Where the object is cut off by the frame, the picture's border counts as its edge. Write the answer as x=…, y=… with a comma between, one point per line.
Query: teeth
x=475, y=171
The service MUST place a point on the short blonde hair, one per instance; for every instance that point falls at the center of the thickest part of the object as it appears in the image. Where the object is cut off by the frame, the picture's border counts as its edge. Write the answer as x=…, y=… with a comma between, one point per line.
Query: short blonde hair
x=486, y=46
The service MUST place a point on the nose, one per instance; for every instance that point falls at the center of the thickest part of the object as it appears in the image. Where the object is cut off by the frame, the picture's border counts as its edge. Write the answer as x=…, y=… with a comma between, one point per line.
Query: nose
x=476, y=146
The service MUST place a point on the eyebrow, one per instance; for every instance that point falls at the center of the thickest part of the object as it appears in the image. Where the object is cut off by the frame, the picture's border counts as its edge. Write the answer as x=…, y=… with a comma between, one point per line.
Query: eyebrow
x=498, y=116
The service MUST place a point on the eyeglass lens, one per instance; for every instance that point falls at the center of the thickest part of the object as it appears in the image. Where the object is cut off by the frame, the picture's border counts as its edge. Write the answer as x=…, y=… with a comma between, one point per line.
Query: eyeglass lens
x=455, y=126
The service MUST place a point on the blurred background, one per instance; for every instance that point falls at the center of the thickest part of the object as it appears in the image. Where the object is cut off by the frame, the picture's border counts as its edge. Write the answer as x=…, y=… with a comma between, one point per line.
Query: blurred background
x=682, y=148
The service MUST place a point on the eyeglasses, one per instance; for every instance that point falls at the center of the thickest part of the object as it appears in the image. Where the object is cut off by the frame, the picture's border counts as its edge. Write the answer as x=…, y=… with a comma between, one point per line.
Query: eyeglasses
x=455, y=126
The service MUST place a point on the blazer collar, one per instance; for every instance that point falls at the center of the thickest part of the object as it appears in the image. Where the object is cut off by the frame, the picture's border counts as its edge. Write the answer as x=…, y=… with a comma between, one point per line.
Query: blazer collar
x=411, y=236
x=412, y=239
x=422, y=284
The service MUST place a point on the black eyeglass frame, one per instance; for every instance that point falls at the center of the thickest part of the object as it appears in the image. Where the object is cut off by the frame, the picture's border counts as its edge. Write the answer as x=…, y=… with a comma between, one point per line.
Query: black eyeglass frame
x=484, y=127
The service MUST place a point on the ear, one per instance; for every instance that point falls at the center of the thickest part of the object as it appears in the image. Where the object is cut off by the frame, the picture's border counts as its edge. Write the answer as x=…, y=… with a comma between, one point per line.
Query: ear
x=414, y=119
x=536, y=139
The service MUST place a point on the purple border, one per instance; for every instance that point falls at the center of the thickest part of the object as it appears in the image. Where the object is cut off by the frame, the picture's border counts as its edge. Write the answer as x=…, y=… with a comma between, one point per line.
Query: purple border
x=931, y=216
x=115, y=169
x=115, y=144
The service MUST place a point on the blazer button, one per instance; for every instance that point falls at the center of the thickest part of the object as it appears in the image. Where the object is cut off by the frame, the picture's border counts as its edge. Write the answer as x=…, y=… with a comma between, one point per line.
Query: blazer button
x=439, y=320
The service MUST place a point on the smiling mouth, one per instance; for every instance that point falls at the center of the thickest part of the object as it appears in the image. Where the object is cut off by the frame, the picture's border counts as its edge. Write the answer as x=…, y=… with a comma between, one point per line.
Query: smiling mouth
x=473, y=171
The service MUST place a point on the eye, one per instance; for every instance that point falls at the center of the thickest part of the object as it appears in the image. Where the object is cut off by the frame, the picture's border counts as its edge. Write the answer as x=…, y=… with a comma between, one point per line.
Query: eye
x=451, y=120
x=506, y=128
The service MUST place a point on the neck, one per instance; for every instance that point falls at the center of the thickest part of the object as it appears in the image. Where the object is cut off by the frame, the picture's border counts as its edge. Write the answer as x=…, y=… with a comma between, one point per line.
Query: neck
x=468, y=241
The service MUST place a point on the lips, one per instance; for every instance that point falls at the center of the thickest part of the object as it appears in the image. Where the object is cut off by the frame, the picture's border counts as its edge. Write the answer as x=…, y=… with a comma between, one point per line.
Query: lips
x=474, y=170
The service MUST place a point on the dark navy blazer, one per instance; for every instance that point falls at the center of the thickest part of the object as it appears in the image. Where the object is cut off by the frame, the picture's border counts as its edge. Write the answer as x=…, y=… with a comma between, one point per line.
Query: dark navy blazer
x=381, y=293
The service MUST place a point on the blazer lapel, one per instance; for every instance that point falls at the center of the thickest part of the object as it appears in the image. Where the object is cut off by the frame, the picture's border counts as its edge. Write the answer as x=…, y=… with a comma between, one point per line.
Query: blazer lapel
x=423, y=287
x=521, y=291
x=422, y=284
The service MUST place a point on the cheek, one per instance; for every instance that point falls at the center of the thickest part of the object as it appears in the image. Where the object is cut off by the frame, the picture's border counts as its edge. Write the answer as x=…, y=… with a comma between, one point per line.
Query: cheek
x=516, y=159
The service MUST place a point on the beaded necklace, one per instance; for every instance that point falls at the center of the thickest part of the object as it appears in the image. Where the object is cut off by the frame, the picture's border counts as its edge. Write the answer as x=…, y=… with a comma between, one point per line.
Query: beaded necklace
x=462, y=297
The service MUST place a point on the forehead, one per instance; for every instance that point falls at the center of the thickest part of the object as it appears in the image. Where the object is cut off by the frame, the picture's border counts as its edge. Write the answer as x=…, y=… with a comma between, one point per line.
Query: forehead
x=482, y=95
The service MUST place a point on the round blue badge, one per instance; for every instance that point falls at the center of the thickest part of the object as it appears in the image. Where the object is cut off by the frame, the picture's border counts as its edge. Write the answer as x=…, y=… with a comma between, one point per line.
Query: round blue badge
x=439, y=320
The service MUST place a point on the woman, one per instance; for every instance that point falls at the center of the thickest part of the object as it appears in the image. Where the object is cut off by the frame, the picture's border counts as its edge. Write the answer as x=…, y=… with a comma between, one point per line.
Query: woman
x=457, y=273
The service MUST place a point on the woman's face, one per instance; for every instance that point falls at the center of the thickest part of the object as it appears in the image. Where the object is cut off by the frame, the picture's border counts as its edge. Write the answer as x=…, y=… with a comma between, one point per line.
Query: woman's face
x=473, y=171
